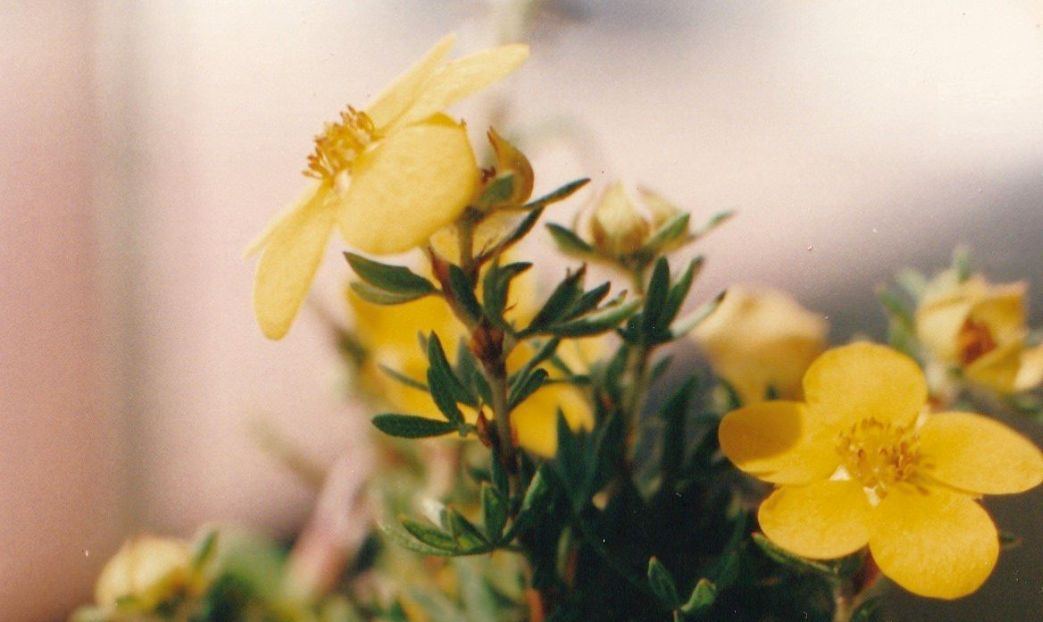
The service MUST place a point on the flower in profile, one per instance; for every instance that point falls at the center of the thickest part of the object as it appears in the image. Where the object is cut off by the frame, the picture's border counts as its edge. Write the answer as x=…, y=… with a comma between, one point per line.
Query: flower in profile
x=146, y=571
x=386, y=177
x=980, y=328
x=860, y=463
x=761, y=341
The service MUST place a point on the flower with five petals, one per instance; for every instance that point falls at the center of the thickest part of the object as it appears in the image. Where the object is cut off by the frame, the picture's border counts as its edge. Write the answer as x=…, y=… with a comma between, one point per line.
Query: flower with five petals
x=860, y=463
x=387, y=177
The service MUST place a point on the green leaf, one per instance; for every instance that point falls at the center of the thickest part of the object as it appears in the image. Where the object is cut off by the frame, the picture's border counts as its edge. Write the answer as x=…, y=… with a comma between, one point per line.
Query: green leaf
x=410, y=542
x=397, y=279
x=702, y=597
x=568, y=242
x=378, y=296
x=602, y=320
x=844, y=566
x=652, y=322
x=688, y=322
x=662, y=584
x=669, y=232
x=411, y=426
x=588, y=301
x=546, y=351
x=673, y=415
x=496, y=287
x=404, y=379
x=567, y=292
x=445, y=387
x=497, y=192
x=428, y=534
x=204, y=551
x=715, y=221
x=520, y=231
x=679, y=290
x=494, y=512
x=464, y=532
x=463, y=293
x=526, y=386
x=560, y=194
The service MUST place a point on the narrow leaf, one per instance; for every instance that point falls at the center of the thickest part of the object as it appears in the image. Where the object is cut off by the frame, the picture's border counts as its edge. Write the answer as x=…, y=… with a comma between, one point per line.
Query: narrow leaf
x=404, y=379
x=526, y=386
x=560, y=194
x=568, y=242
x=411, y=426
x=670, y=231
x=428, y=534
x=602, y=320
x=701, y=598
x=688, y=323
x=463, y=293
x=662, y=584
x=396, y=279
x=494, y=512
x=377, y=296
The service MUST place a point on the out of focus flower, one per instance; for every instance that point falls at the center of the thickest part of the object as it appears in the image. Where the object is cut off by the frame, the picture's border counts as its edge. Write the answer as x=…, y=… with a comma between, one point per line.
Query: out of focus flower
x=980, y=328
x=616, y=226
x=859, y=462
x=145, y=572
x=387, y=177
x=762, y=340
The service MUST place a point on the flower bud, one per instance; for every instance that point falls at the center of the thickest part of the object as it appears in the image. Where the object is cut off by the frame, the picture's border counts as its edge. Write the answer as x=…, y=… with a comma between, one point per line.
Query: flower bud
x=510, y=160
x=146, y=571
x=660, y=210
x=616, y=226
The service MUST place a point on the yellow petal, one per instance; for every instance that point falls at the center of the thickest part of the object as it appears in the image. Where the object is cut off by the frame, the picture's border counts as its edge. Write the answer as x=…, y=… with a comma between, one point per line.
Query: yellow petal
x=759, y=338
x=938, y=326
x=462, y=77
x=1030, y=371
x=535, y=420
x=411, y=184
x=1002, y=310
x=823, y=520
x=291, y=256
x=997, y=369
x=933, y=542
x=863, y=381
x=777, y=442
x=406, y=89
x=148, y=569
x=616, y=226
x=979, y=455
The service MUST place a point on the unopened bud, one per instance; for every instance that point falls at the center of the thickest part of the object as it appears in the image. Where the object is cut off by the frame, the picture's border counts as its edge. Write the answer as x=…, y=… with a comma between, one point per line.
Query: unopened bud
x=510, y=160
x=616, y=226
x=146, y=571
x=660, y=210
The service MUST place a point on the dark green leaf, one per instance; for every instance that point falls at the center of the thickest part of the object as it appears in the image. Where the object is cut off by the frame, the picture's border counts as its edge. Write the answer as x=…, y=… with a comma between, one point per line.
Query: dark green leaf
x=872, y=610
x=679, y=290
x=568, y=242
x=655, y=300
x=464, y=532
x=378, y=296
x=567, y=292
x=411, y=426
x=443, y=383
x=602, y=320
x=463, y=293
x=396, y=279
x=526, y=386
x=662, y=584
x=560, y=194
x=410, y=542
x=428, y=534
x=673, y=414
x=588, y=301
x=495, y=289
x=701, y=598
x=520, y=231
x=494, y=512
x=794, y=562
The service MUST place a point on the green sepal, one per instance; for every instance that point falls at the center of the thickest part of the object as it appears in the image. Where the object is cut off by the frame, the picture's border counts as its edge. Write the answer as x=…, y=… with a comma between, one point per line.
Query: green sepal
x=395, y=279
x=411, y=426
x=663, y=585
x=497, y=192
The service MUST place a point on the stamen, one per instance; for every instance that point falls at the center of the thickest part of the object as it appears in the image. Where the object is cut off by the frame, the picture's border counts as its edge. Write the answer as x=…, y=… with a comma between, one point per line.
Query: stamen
x=338, y=146
x=879, y=455
x=974, y=341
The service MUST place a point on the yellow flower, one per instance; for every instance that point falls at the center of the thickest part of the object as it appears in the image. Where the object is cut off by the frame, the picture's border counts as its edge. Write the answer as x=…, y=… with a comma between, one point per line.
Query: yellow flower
x=860, y=463
x=981, y=328
x=616, y=226
x=390, y=335
x=146, y=571
x=759, y=339
x=386, y=177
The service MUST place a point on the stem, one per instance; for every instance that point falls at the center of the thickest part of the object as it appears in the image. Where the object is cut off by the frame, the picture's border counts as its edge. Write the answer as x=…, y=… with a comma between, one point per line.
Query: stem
x=844, y=602
x=496, y=376
x=465, y=236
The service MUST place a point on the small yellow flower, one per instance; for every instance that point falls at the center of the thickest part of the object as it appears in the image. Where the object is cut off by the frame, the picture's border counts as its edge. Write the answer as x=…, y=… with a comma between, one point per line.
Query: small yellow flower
x=145, y=572
x=387, y=177
x=616, y=226
x=390, y=335
x=759, y=339
x=860, y=463
x=980, y=327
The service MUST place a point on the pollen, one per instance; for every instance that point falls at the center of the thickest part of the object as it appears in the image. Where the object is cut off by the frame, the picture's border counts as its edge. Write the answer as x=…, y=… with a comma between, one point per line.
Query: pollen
x=338, y=146
x=879, y=455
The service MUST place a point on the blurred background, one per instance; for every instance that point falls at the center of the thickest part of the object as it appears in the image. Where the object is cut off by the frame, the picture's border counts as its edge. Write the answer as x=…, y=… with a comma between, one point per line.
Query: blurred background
x=144, y=144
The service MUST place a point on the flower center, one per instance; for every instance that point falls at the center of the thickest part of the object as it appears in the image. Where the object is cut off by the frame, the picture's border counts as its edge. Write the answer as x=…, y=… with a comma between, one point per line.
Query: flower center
x=338, y=146
x=878, y=455
x=974, y=341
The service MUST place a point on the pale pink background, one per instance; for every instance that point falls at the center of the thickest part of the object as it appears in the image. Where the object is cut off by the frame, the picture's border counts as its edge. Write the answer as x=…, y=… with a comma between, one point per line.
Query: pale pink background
x=143, y=144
